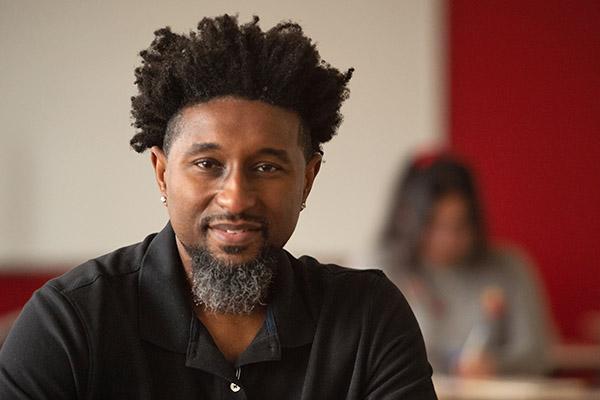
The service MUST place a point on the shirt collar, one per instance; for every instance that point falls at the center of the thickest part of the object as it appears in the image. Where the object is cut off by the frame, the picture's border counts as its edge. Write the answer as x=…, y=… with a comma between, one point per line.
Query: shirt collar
x=165, y=309
x=295, y=326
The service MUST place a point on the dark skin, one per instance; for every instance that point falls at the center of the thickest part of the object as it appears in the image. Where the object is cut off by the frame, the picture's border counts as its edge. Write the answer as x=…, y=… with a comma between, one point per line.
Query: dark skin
x=234, y=157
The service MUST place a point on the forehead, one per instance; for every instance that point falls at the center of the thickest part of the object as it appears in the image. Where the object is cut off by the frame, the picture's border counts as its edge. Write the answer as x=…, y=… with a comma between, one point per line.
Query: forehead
x=232, y=121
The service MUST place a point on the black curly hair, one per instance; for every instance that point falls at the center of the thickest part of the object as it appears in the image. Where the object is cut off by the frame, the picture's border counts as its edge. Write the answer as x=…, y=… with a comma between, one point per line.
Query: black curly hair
x=281, y=67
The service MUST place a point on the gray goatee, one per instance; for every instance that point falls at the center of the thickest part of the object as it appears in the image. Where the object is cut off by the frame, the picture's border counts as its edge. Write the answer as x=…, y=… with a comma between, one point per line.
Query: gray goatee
x=230, y=288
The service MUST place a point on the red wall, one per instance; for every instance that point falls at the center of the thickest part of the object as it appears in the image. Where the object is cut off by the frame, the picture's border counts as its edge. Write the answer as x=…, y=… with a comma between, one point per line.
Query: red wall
x=524, y=109
x=16, y=289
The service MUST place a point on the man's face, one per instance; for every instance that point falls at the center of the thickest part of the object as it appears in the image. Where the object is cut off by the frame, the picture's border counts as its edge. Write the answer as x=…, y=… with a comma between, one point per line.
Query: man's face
x=235, y=177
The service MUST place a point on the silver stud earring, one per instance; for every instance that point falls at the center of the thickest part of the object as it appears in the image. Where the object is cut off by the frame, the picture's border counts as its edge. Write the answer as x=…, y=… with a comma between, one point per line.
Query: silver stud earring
x=302, y=206
x=163, y=199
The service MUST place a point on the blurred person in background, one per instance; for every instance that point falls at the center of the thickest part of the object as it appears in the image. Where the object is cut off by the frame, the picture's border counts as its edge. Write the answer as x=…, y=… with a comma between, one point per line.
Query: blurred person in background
x=480, y=308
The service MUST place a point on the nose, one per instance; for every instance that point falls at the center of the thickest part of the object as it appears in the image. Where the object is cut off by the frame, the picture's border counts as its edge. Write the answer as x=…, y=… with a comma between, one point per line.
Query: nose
x=236, y=194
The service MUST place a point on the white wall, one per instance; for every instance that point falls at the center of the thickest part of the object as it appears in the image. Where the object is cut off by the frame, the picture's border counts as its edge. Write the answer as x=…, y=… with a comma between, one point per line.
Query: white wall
x=70, y=187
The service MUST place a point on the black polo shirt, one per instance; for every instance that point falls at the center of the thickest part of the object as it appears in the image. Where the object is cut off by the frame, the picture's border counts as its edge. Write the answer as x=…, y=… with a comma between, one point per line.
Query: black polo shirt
x=122, y=327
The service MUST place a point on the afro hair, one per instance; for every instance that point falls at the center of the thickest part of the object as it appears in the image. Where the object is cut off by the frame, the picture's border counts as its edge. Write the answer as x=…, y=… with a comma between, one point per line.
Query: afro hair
x=281, y=67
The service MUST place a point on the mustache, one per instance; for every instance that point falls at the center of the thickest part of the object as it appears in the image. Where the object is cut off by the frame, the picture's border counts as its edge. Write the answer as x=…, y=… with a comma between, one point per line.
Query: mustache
x=230, y=217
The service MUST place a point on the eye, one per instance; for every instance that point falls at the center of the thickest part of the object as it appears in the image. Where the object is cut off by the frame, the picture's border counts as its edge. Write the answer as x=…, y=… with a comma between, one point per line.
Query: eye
x=267, y=168
x=208, y=164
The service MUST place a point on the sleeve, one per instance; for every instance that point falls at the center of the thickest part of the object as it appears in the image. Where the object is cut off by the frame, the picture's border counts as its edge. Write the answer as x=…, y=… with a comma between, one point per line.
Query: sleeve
x=45, y=355
x=398, y=366
x=530, y=332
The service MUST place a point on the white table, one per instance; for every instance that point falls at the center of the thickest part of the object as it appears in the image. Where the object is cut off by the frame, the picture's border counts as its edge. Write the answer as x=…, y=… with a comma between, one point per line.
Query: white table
x=450, y=388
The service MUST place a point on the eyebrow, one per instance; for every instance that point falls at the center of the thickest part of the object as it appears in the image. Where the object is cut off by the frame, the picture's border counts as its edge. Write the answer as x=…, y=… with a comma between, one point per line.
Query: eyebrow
x=282, y=155
x=200, y=147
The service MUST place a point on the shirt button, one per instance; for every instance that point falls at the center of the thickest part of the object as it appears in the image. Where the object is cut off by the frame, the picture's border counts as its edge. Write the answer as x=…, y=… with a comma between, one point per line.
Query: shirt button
x=234, y=388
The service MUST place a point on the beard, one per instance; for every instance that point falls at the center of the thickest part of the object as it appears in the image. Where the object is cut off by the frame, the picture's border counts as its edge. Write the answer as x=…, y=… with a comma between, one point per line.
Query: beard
x=227, y=288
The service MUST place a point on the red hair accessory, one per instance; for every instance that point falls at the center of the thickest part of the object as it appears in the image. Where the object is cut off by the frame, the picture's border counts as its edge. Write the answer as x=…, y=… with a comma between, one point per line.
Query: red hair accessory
x=427, y=158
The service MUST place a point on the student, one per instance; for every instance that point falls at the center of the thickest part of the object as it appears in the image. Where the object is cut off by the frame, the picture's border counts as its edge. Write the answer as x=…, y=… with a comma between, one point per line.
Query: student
x=479, y=307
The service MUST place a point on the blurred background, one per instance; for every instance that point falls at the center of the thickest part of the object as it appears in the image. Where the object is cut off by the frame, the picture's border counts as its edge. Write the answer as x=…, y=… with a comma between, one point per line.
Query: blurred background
x=511, y=86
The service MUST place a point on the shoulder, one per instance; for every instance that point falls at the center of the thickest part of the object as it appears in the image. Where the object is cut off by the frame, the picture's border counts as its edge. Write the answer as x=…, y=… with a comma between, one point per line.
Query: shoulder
x=510, y=260
x=513, y=269
x=114, y=265
x=332, y=275
x=79, y=304
x=364, y=322
x=346, y=288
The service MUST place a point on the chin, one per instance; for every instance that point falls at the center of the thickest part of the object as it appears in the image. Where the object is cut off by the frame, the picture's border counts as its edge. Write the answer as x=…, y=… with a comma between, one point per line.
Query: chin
x=236, y=255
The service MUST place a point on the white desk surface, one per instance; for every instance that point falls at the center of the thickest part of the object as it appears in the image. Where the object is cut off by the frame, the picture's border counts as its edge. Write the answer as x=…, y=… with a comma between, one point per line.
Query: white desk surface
x=450, y=388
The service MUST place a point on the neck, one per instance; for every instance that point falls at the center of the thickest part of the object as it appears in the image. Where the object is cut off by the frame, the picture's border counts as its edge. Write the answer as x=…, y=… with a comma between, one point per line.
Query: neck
x=232, y=333
x=186, y=260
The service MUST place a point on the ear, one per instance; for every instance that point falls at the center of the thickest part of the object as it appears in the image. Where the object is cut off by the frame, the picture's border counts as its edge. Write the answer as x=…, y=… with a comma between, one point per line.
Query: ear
x=312, y=169
x=159, y=163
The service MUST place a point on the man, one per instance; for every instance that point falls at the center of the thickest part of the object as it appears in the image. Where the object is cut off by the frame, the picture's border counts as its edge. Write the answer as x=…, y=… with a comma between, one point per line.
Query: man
x=212, y=307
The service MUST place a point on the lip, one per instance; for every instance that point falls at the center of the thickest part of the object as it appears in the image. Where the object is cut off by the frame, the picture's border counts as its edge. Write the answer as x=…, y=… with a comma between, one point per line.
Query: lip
x=235, y=234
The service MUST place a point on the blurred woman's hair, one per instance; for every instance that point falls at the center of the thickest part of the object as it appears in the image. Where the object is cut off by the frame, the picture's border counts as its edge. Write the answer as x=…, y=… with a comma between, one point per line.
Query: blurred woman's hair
x=426, y=180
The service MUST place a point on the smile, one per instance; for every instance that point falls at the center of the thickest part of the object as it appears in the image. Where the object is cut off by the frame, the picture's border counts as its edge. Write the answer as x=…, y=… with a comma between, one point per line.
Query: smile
x=235, y=231
x=236, y=234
